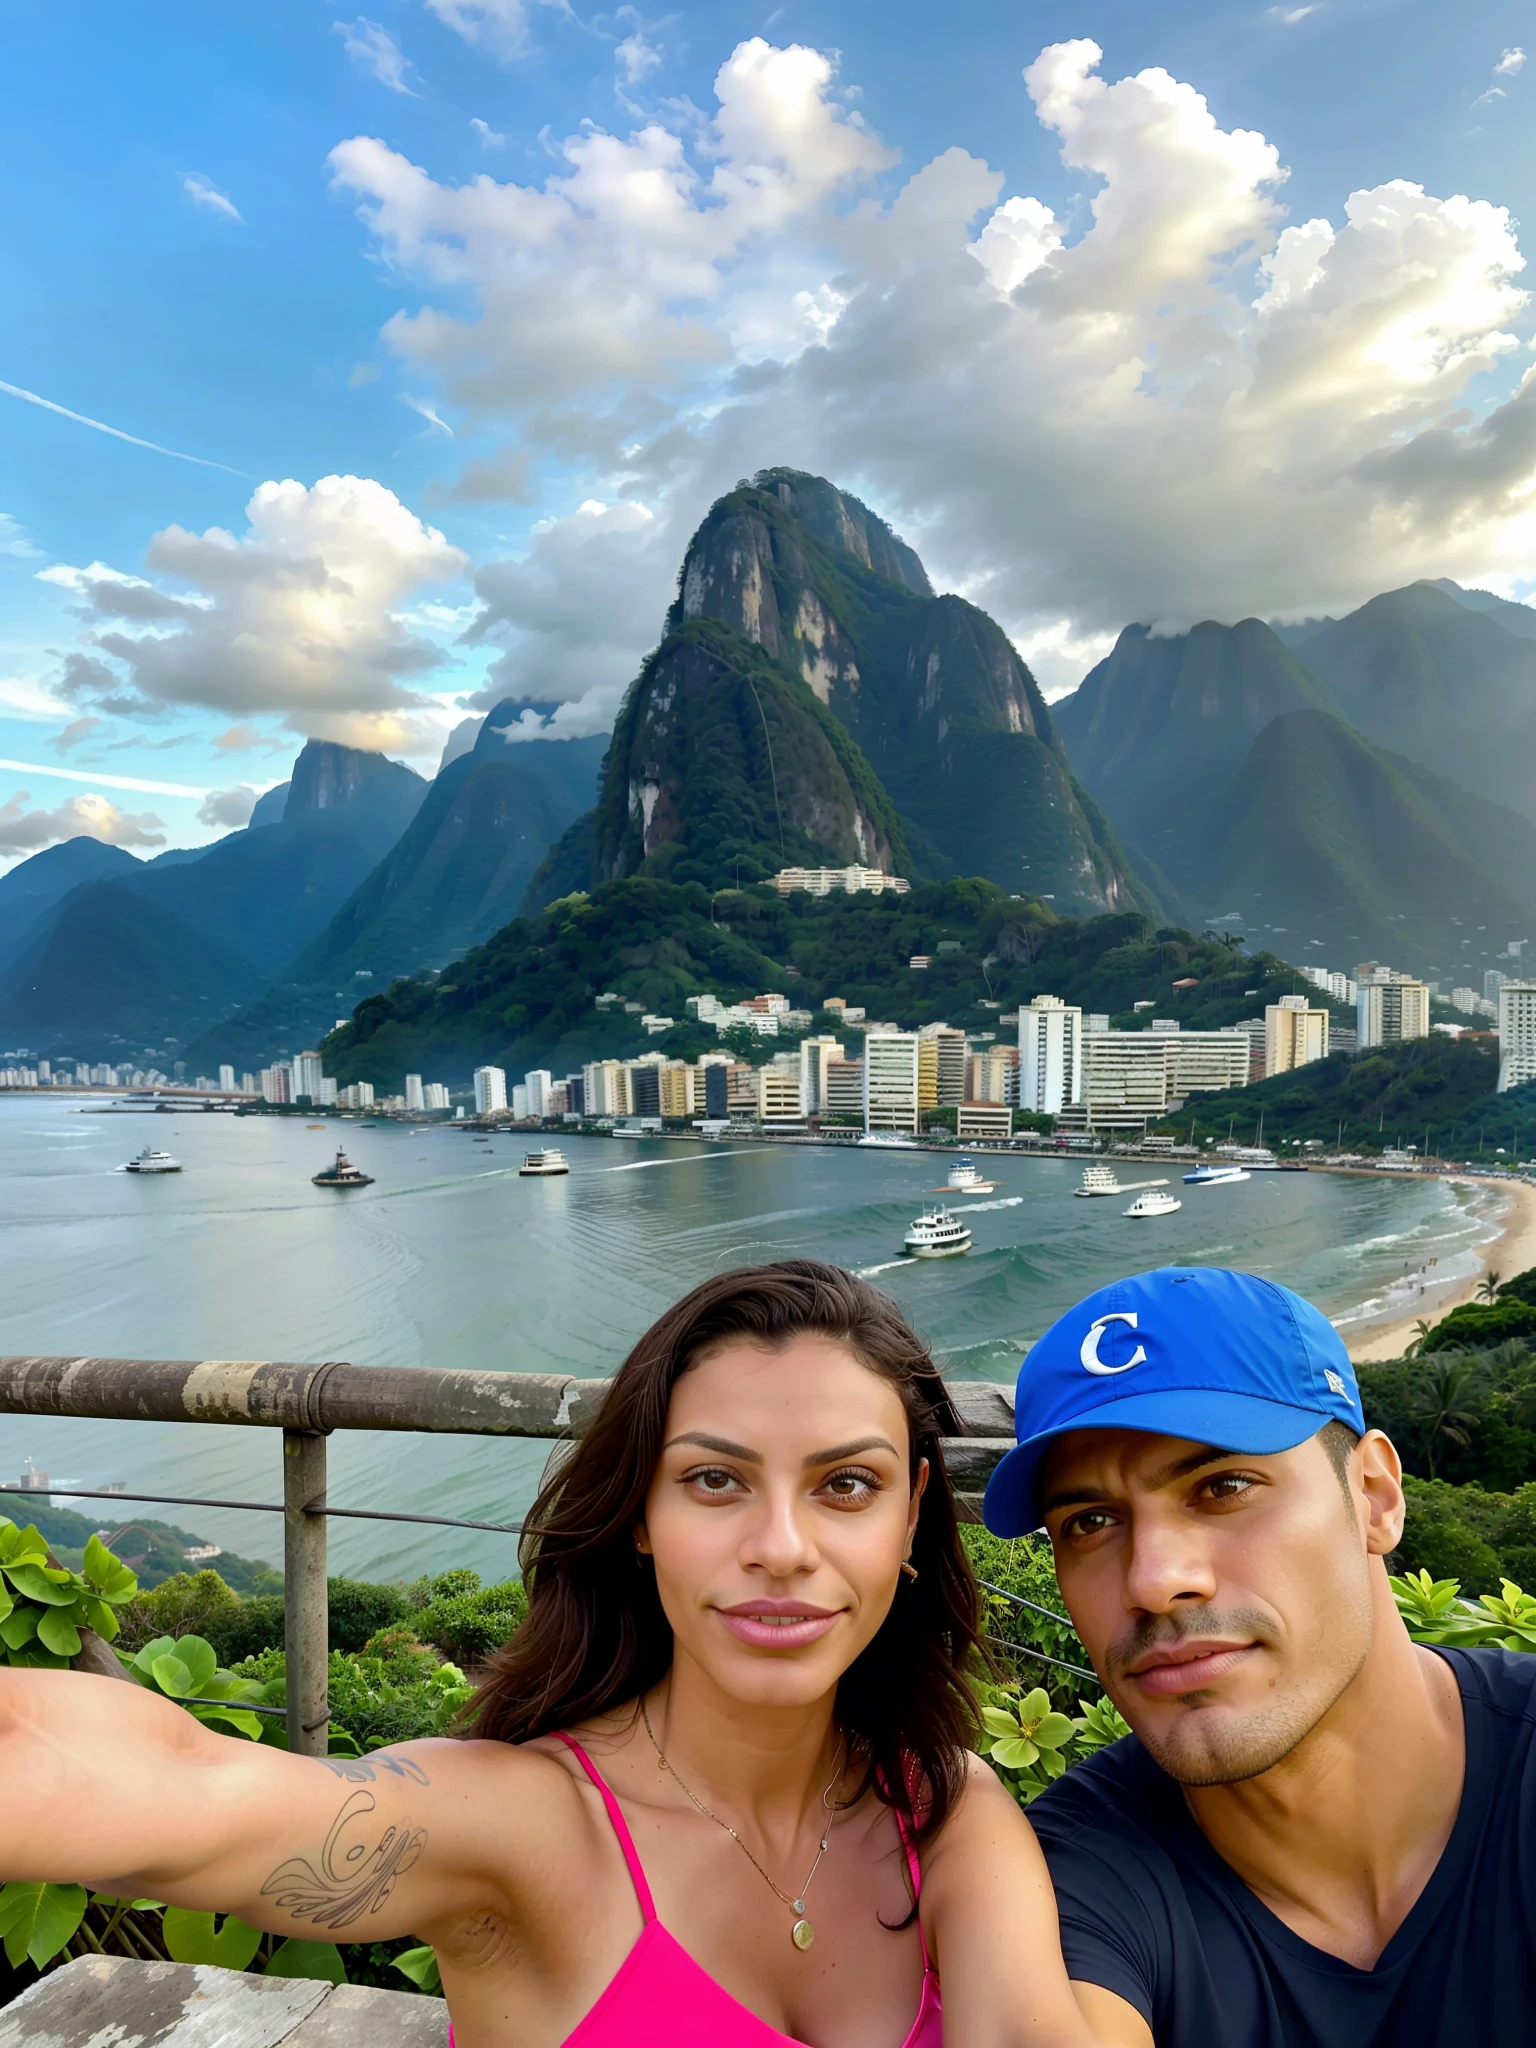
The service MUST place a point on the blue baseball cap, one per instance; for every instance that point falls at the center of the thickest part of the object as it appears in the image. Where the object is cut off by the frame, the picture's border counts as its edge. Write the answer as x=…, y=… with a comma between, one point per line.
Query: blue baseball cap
x=1221, y=1358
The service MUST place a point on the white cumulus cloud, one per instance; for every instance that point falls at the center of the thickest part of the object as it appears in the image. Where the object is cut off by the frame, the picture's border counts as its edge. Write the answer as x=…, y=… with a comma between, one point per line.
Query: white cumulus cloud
x=24, y=830
x=1510, y=63
x=205, y=194
x=229, y=809
x=299, y=616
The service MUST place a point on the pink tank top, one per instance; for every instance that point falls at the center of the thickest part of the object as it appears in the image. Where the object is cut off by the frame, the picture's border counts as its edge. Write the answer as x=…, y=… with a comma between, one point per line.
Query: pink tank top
x=661, y=1998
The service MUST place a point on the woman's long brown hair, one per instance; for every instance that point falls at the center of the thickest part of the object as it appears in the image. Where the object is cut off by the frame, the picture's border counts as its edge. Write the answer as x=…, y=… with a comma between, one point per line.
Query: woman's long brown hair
x=596, y=1637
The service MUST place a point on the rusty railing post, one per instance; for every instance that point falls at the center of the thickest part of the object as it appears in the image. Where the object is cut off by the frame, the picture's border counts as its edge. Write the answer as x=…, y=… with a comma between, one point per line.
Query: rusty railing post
x=306, y=1616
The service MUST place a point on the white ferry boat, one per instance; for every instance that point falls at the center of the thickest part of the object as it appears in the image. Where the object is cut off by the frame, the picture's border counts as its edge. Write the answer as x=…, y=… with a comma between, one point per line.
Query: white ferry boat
x=536, y=1165
x=1215, y=1176
x=888, y=1141
x=965, y=1179
x=342, y=1175
x=936, y=1235
x=1099, y=1180
x=150, y=1161
x=1153, y=1202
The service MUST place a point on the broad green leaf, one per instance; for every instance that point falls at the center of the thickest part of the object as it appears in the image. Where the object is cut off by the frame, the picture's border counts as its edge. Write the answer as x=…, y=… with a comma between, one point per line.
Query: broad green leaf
x=19, y=1628
x=39, y=1582
x=320, y=1959
x=192, y=1938
x=248, y=1724
x=1015, y=1756
x=107, y=1575
x=6, y=1602
x=420, y=1965
x=18, y=1545
x=997, y=1722
x=58, y=1633
x=1035, y=1705
x=37, y=1920
x=199, y=1659
x=1052, y=1732
x=99, y=1616
x=172, y=1676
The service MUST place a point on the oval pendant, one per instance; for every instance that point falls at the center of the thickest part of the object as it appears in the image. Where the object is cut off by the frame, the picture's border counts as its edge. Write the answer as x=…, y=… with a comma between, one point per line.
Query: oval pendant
x=802, y=1934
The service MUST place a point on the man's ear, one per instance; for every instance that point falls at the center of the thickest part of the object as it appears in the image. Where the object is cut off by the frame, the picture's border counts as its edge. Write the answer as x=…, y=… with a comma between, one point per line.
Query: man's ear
x=1376, y=1474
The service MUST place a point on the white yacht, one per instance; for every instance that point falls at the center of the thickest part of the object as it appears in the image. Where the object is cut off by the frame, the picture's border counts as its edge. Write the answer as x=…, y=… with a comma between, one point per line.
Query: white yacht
x=888, y=1141
x=965, y=1179
x=538, y=1164
x=1215, y=1176
x=150, y=1161
x=1099, y=1180
x=936, y=1235
x=1154, y=1202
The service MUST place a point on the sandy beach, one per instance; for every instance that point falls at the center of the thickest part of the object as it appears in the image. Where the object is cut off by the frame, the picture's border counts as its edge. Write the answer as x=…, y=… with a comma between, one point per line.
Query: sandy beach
x=1512, y=1251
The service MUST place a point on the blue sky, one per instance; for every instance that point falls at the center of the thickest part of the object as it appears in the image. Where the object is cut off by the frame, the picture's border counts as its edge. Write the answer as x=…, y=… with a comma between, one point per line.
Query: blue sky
x=577, y=369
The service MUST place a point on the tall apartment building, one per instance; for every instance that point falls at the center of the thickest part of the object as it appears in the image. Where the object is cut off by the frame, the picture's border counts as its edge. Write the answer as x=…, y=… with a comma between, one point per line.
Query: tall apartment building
x=987, y=1075
x=436, y=1095
x=1050, y=1055
x=415, y=1095
x=891, y=1080
x=1493, y=981
x=949, y=1063
x=538, y=1084
x=843, y=1100
x=227, y=1080
x=605, y=1089
x=927, y=1073
x=677, y=1085
x=306, y=1075
x=816, y=1055
x=1517, y=1033
x=1125, y=1079
x=778, y=1096
x=1391, y=1007
x=276, y=1083
x=1204, y=1060
x=490, y=1090
x=1294, y=1035
x=357, y=1095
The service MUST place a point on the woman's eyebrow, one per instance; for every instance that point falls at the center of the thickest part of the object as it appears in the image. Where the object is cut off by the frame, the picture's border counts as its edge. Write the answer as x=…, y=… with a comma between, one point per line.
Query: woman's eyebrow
x=716, y=1443
x=839, y=1451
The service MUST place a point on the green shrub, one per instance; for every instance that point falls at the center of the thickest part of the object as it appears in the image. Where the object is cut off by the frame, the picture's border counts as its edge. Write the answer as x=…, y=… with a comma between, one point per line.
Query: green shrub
x=202, y=1604
x=468, y=1621
x=1021, y=1636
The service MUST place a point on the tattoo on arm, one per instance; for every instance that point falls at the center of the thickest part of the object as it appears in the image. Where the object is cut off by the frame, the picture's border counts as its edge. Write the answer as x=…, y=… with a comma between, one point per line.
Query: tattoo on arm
x=361, y=1770
x=358, y=1867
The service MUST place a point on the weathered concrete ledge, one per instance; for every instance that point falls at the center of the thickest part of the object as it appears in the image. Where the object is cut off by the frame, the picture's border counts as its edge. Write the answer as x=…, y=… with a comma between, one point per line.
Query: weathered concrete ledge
x=109, y=1999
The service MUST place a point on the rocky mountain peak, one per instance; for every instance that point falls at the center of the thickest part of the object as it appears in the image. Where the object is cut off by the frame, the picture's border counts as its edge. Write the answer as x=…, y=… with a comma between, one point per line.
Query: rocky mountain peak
x=327, y=776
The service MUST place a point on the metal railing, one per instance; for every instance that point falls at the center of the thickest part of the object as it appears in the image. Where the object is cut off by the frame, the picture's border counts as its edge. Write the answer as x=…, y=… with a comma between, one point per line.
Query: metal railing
x=308, y=1402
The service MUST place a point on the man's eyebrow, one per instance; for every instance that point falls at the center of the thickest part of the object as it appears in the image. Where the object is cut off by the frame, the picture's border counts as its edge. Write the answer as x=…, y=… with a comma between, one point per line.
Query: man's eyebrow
x=851, y=1450
x=716, y=1443
x=1165, y=1475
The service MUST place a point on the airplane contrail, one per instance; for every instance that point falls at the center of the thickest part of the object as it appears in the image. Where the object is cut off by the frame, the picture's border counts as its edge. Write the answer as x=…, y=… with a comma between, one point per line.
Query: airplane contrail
x=134, y=782
x=85, y=420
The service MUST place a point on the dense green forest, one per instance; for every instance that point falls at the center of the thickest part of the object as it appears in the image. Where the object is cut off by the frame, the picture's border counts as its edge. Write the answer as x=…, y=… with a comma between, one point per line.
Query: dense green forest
x=525, y=998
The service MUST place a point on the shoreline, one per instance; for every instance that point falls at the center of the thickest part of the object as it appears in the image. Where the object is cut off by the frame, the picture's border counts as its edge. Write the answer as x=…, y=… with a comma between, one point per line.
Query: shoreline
x=1511, y=1250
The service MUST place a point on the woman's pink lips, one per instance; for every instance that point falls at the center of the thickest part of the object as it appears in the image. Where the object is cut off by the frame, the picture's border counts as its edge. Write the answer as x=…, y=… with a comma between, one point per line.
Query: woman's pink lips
x=777, y=1624
x=1191, y=1674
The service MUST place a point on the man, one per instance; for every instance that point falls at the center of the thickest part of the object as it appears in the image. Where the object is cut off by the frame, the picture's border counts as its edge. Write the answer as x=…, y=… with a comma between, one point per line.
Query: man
x=1319, y=1835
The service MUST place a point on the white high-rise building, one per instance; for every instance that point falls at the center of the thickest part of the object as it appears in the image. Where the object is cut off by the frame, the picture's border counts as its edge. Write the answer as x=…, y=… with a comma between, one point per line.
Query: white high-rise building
x=606, y=1089
x=1125, y=1078
x=306, y=1075
x=1517, y=1033
x=890, y=1081
x=436, y=1094
x=326, y=1099
x=1391, y=1007
x=538, y=1084
x=277, y=1083
x=415, y=1099
x=490, y=1090
x=1206, y=1061
x=1050, y=1056
x=519, y=1100
x=1294, y=1035
x=227, y=1080
x=816, y=1055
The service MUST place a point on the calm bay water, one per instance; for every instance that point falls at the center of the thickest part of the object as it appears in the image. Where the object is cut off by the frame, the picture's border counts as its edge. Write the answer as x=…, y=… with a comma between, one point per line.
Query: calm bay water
x=450, y=1259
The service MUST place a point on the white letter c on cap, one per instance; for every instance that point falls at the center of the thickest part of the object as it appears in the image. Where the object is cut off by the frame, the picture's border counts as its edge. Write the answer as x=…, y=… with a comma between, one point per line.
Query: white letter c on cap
x=1089, y=1350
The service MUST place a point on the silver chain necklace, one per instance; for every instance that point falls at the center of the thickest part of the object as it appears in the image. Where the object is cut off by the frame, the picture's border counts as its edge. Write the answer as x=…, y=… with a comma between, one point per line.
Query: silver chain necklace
x=803, y=1933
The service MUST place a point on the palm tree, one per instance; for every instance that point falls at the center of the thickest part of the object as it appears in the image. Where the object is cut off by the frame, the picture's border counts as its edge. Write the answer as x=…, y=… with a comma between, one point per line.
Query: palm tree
x=1445, y=1403
x=1420, y=1332
x=1488, y=1286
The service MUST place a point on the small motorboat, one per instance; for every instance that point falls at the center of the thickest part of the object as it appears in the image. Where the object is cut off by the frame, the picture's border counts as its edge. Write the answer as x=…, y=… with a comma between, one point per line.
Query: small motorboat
x=965, y=1179
x=342, y=1175
x=1215, y=1176
x=539, y=1165
x=1153, y=1202
x=936, y=1235
x=151, y=1161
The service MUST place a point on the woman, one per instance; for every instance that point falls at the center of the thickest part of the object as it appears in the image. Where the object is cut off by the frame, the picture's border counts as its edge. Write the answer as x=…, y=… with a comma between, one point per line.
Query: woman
x=715, y=1792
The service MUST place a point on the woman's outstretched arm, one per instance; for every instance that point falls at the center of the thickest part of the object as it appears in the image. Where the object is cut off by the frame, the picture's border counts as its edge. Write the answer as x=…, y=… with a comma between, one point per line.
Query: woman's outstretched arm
x=108, y=1786
x=990, y=1917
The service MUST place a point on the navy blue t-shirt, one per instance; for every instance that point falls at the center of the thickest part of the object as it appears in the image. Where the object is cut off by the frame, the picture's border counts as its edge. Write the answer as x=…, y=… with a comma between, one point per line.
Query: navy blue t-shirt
x=1150, y=1911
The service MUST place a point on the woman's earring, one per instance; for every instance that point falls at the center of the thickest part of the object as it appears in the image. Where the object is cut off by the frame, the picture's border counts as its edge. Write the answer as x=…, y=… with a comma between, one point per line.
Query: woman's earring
x=908, y=1571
